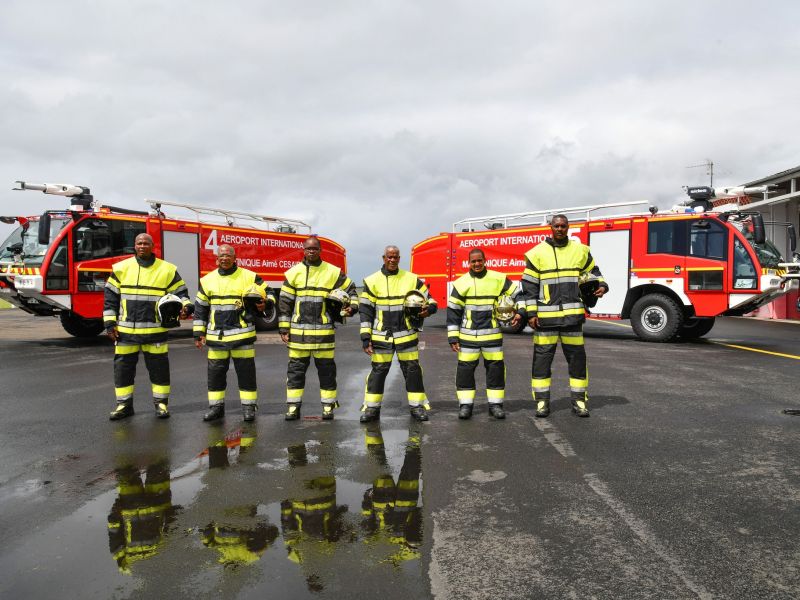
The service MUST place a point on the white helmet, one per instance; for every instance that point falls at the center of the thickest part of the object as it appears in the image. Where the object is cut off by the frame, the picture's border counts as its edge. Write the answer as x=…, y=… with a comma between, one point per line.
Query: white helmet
x=169, y=310
x=336, y=301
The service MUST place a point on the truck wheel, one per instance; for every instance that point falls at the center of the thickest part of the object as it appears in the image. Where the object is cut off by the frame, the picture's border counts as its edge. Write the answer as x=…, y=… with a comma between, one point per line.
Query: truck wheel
x=656, y=318
x=696, y=327
x=79, y=327
x=271, y=321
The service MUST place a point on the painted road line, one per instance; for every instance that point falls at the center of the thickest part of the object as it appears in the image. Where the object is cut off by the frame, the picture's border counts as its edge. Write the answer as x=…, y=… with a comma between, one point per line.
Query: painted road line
x=609, y=323
x=737, y=346
x=759, y=350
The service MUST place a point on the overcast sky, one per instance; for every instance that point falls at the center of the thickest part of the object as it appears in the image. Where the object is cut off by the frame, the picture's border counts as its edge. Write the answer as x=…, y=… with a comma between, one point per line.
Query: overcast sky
x=385, y=122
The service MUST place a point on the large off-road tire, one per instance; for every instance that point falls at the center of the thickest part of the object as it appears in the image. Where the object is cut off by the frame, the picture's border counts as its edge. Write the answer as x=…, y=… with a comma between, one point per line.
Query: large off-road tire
x=656, y=318
x=271, y=321
x=696, y=327
x=79, y=327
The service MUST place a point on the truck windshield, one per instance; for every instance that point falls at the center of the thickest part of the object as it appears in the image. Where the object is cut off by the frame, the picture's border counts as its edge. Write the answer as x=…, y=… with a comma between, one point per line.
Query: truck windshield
x=768, y=255
x=24, y=240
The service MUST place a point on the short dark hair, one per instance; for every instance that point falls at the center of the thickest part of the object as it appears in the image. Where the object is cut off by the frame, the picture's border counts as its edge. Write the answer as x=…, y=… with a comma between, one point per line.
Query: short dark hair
x=559, y=216
x=478, y=251
x=312, y=238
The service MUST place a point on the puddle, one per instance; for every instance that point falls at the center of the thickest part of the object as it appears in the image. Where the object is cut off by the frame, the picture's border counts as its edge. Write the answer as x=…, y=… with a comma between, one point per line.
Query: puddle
x=305, y=517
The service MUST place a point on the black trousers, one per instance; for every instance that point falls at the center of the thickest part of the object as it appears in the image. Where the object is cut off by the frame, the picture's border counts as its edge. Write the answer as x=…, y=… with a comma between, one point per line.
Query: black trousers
x=244, y=363
x=299, y=360
x=156, y=359
x=545, y=342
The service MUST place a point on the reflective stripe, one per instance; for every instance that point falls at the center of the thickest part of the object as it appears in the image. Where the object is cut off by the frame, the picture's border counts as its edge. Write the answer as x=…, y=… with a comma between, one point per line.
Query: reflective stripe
x=465, y=396
x=497, y=395
x=160, y=348
x=541, y=384
x=216, y=396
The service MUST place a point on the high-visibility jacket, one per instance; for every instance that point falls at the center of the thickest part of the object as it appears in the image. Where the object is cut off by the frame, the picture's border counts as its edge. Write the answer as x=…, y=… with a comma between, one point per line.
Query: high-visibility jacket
x=132, y=291
x=302, y=310
x=470, y=308
x=219, y=312
x=550, y=283
x=383, y=320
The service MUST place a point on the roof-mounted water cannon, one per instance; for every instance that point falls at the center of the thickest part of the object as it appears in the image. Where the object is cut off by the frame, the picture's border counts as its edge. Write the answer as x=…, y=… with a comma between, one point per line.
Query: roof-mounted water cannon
x=81, y=197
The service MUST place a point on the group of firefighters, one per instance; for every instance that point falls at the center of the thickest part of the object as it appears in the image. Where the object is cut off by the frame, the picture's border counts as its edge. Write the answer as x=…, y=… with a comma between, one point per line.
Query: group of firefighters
x=145, y=295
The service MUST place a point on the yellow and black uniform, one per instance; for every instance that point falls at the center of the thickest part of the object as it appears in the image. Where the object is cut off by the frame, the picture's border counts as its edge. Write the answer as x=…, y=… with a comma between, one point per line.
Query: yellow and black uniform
x=303, y=313
x=220, y=316
x=386, y=326
x=391, y=511
x=239, y=545
x=550, y=292
x=132, y=291
x=472, y=324
x=140, y=516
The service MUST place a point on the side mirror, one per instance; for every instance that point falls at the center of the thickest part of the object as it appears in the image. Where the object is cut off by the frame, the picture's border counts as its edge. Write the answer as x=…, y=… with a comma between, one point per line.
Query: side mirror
x=792, y=238
x=759, y=234
x=44, y=229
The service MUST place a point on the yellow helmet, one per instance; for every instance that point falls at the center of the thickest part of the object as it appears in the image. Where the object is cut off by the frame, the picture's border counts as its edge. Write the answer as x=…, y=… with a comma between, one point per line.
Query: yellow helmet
x=504, y=309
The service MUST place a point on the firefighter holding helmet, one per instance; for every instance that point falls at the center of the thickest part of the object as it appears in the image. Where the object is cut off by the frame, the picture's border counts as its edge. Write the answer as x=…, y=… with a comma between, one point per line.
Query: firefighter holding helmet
x=227, y=301
x=393, y=304
x=144, y=296
x=551, y=301
x=306, y=317
x=480, y=301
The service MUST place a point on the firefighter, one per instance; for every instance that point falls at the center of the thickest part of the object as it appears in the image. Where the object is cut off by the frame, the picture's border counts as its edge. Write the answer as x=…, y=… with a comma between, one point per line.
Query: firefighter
x=551, y=302
x=133, y=321
x=388, y=328
x=224, y=322
x=473, y=331
x=141, y=514
x=306, y=325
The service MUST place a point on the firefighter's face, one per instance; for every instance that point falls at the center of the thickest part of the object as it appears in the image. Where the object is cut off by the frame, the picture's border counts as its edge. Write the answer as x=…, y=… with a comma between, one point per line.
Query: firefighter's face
x=143, y=246
x=477, y=262
x=560, y=228
x=226, y=257
x=391, y=259
x=311, y=250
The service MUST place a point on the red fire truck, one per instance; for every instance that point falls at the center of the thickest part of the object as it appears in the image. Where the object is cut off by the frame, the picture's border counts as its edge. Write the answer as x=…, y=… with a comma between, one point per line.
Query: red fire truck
x=671, y=273
x=57, y=263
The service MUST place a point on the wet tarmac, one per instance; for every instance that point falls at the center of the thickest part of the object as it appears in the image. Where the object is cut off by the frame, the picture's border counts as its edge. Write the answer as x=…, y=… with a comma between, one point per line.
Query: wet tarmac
x=683, y=484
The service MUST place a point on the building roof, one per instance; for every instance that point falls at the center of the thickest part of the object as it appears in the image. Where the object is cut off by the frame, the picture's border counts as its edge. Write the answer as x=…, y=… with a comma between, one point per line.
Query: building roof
x=782, y=175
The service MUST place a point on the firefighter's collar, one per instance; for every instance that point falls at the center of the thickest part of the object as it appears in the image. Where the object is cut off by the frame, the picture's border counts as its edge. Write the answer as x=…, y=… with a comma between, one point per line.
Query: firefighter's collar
x=308, y=263
x=146, y=262
x=386, y=271
x=230, y=271
x=480, y=275
x=555, y=244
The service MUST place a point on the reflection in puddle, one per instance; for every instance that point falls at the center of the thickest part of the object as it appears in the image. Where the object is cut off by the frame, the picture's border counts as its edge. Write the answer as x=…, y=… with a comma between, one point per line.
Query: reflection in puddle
x=326, y=513
x=141, y=514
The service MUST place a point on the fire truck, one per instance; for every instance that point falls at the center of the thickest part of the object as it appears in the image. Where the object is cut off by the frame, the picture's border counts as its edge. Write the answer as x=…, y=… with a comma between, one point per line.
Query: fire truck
x=57, y=263
x=670, y=273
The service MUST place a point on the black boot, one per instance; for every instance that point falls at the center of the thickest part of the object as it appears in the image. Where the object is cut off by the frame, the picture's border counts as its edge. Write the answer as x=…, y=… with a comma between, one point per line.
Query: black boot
x=464, y=411
x=371, y=413
x=580, y=408
x=496, y=410
x=162, y=412
x=542, y=408
x=123, y=411
x=215, y=411
x=327, y=410
x=419, y=413
x=292, y=411
x=249, y=412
